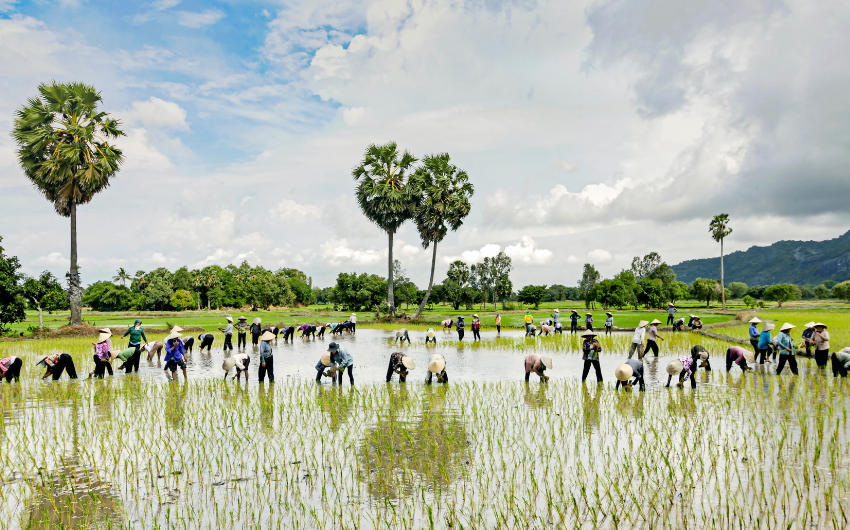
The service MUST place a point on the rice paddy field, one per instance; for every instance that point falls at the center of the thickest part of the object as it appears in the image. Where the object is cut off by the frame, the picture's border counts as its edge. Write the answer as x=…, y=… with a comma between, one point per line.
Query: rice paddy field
x=487, y=450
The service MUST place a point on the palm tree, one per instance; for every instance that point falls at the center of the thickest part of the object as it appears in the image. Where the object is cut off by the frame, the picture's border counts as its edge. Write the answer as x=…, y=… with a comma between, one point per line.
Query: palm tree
x=719, y=228
x=121, y=276
x=385, y=195
x=444, y=192
x=63, y=149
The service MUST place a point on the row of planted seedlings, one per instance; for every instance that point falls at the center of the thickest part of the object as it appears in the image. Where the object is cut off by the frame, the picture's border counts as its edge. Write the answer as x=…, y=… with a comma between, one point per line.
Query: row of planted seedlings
x=750, y=452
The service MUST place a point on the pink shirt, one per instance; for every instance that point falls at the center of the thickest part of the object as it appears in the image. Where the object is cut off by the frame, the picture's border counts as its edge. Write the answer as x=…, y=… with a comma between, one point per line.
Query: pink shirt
x=737, y=354
x=533, y=362
x=5, y=363
x=102, y=349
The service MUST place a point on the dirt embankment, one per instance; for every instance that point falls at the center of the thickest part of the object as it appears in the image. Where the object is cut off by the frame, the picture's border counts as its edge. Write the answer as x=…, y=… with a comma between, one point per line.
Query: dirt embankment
x=87, y=330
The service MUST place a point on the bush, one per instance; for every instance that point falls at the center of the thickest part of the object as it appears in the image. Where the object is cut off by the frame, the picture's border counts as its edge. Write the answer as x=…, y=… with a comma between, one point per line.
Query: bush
x=182, y=300
x=749, y=301
x=842, y=291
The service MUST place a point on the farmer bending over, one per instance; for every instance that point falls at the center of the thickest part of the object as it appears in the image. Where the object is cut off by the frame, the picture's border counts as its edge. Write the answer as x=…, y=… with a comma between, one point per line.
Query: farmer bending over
x=437, y=366
x=401, y=336
x=400, y=364
x=538, y=364
x=56, y=364
x=623, y=374
x=10, y=368
x=240, y=361
x=686, y=367
x=840, y=362
x=740, y=356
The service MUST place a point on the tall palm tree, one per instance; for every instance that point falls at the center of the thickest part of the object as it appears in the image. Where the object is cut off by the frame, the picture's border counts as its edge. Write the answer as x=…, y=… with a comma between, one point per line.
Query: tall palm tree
x=121, y=276
x=719, y=228
x=385, y=195
x=64, y=149
x=443, y=191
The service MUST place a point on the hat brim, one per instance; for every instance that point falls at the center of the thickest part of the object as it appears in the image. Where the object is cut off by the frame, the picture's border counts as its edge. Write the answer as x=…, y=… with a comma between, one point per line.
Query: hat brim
x=258, y=320
x=408, y=363
x=268, y=335
x=173, y=336
x=655, y=321
x=755, y=320
x=749, y=356
x=624, y=372
x=228, y=364
x=589, y=333
x=643, y=323
x=547, y=362
x=821, y=325
x=435, y=367
x=675, y=367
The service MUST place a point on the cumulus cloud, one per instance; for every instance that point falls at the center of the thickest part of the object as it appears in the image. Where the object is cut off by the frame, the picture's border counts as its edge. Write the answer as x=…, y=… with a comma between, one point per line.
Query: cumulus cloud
x=156, y=112
x=527, y=252
x=199, y=19
x=293, y=212
x=54, y=258
x=600, y=255
x=219, y=257
x=339, y=252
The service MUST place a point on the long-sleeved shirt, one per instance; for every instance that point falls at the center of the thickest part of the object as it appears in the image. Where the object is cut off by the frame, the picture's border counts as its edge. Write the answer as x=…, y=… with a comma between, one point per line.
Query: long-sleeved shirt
x=637, y=338
x=821, y=339
x=242, y=328
x=174, y=350
x=534, y=363
x=671, y=311
x=529, y=319
x=808, y=332
x=844, y=358
x=353, y=318
x=737, y=354
x=102, y=349
x=228, y=330
x=460, y=325
x=589, y=319
x=754, y=332
x=764, y=340
x=341, y=358
x=51, y=360
x=241, y=360
x=265, y=350
x=498, y=321
x=137, y=334
x=785, y=343
x=5, y=364
x=556, y=317
x=591, y=349
x=574, y=318
x=255, y=329
x=652, y=334
x=609, y=321
x=637, y=368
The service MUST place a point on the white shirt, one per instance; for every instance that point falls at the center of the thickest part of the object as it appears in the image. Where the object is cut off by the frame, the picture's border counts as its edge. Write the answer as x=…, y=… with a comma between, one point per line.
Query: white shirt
x=353, y=318
x=637, y=338
x=241, y=360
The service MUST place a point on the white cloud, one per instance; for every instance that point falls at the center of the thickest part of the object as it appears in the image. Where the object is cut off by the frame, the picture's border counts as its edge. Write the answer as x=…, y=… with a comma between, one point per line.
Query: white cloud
x=140, y=153
x=340, y=253
x=527, y=252
x=7, y=5
x=199, y=20
x=572, y=259
x=563, y=164
x=600, y=255
x=158, y=258
x=356, y=115
x=157, y=112
x=406, y=251
x=162, y=5
x=207, y=231
x=54, y=258
x=292, y=212
x=218, y=257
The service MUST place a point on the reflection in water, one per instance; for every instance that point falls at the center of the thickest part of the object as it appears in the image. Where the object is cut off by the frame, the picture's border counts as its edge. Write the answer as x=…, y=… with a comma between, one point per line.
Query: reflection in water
x=428, y=449
x=265, y=400
x=537, y=398
x=629, y=404
x=174, y=410
x=590, y=407
x=334, y=404
x=72, y=497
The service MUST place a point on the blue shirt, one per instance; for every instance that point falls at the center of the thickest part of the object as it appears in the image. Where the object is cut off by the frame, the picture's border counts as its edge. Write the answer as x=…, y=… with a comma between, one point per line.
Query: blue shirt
x=265, y=350
x=574, y=318
x=174, y=350
x=764, y=340
x=460, y=324
x=671, y=311
x=783, y=340
x=754, y=332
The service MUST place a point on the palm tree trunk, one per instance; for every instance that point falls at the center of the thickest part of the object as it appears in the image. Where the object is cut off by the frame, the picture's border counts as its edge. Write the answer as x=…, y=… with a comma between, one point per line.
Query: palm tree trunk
x=390, y=297
x=430, y=282
x=74, y=283
x=722, y=284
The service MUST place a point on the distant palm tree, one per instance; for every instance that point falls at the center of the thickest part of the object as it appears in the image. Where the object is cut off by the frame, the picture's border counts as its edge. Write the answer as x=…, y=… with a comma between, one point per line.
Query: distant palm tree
x=719, y=229
x=385, y=195
x=443, y=192
x=121, y=276
x=63, y=149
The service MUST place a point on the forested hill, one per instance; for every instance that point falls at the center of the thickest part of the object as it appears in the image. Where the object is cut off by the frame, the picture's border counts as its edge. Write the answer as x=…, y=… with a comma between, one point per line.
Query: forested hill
x=799, y=262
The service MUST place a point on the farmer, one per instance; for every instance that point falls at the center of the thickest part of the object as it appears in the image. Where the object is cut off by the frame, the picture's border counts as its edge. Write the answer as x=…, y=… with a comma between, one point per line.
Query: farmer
x=609, y=323
x=574, y=321
x=637, y=339
x=240, y=361
x=266, y=356
x=437, y=366
x=353, y=320
x=754, y=334
x=591, y=349
x=174, y=351
x=288, y=333
x=188, y=344
x=652, y=337
x=840, y=363
x=322, y=329
x=401, y=335
x=307, y=330
x=431, y=336
x=686, y=367
x=10, y=368
x=137, y=335
x=256, y=331
x=765, y=342
x=499, y=323
x=821, y=340
x=534, y=362
x=206, y=340
x=588, y=321
x=340, y=360
x=671, y=312
x=153, y=348
x=476, y=327
x=631, y=368
x=102, y=354
x=400, y=364
x=459, y=327
x=56, y=364
x=447, y=324
x=678, y=324
x=323, y=368
x=739, y=356
x=242, y=333
x=694, y=322
x=807, y=338
x=124, y=356
x=528, y=321
x=228, y=335
x=785, y=346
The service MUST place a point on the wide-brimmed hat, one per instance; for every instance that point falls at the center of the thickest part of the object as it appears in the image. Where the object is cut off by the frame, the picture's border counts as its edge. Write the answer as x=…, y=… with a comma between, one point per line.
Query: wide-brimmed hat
x=242, y=318
x=608, y=313
x=333, y=347
x=474, y=316
x=675, y=367
x=643, y=323
x=113, y=354
x=589, y=333
x=408, y=362
x=809, y=324
x=557, y=311
x=172, y=336
x=547, y=362
x=435, y=366
x=325, y=358
x=768, y=327
x=104, y=334
x=654, y=321
x=432, y=333
x=669, y=304
x=460, y=317
x=755, y=320
x=257, y=320
x=749, y=356
x=588, y=314
x=176, y=329
x=228, y=364
x=229, y=319
x=703, y=355
x=41, y=359
x=624, y=372
x=846, y=350
x=574, y=311
x=820, y=325
x=787, y=326
x=268, y=335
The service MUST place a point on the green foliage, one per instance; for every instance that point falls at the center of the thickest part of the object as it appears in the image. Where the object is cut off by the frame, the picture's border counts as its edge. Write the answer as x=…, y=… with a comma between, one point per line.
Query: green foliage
x=12, y=307
x=558, y=293
x=842, y=291
x=106, y=296
x=532, y=295
x=650, y=293
x=589, y=278
x=613, y=293
x=643, y=267
x=738, y=289
x=45, y=293
x=749, y=301
x=354, y=293
x=782, y=292
x=302, y=292
x=704, y=289
x=182, y=300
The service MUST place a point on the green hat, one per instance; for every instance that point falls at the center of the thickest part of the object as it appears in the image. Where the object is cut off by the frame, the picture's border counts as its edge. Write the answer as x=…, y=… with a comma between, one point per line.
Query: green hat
x=528, y=312
x=138, y=321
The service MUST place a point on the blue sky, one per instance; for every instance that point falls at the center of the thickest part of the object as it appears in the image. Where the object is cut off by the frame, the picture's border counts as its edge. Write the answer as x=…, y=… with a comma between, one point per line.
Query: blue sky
x=594, y=131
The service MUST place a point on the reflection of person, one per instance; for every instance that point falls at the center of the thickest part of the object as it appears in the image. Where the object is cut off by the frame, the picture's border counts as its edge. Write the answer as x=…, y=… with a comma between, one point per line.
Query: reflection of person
x=625, y=372
x=266, y=356
x=228, y=335
x=242, y=333
x=240, y=361
x=174, y=351
x=400, y=364
x=206, y=340
x=401, y=336
x=437, y=366
x=652, y=337
x=785, y=345
x=56, y=364
x=740, y=356
x=431, y=336
x=637, y=339
x=821, y=340
x=591, y=349
x=538, y=364
x=137, y=335
x=840, y=362
x=102, y=354
x=10, y=368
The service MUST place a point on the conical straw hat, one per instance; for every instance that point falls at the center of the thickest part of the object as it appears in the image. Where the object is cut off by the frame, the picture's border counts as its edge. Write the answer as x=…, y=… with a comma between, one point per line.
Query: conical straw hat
x=104, y=334
x=675, y=367
x=436, y=365
x=547, y=362
x=268, y=335
x=172, y=336
x=768, y=327
x=325, y=358
x=787, y=326
x=177, y=329
x=624, y=372
x=431, y=333
x=810, y=324
x=228, y=364
x=589, y=333
x=258, y=320
x=755, y=320
x=655, y=321
x=643, y=323
x=749, y=356
x=408, y=363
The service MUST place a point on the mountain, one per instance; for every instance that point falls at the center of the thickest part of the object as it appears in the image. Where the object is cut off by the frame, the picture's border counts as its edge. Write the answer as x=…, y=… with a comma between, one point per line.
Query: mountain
x=800, y=262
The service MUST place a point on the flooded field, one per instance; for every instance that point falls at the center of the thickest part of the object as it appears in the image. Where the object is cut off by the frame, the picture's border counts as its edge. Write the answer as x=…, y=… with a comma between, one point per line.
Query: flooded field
x=749, y=450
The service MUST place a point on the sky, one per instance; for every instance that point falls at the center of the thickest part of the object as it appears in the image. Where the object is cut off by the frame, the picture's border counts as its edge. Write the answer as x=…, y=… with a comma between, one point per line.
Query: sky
x=593, y=131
